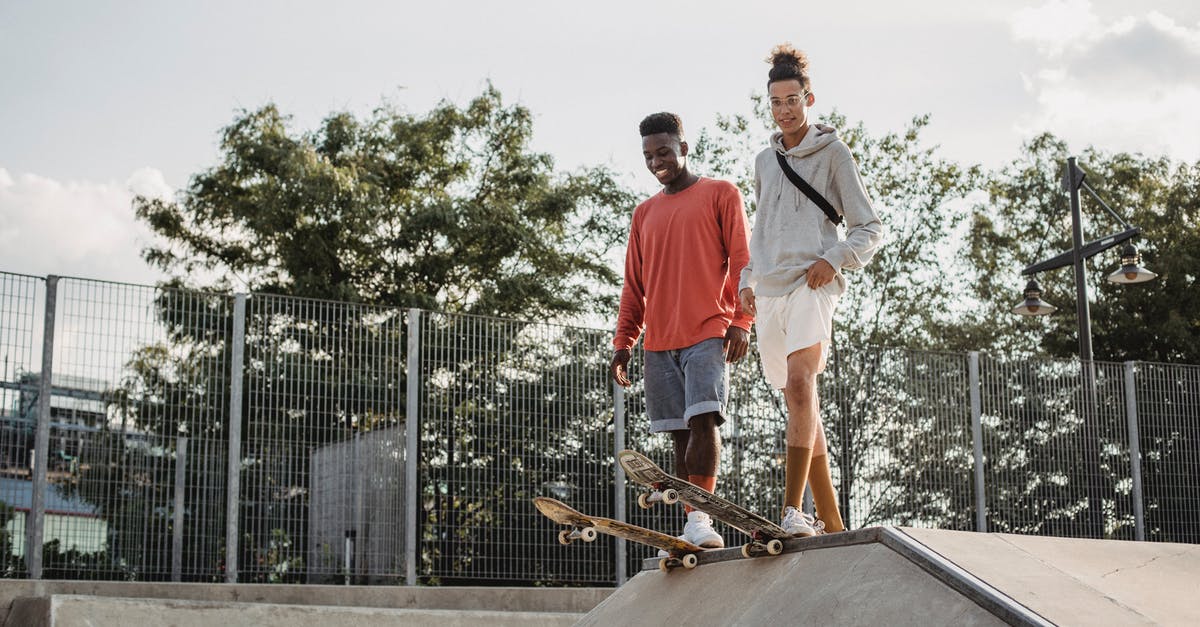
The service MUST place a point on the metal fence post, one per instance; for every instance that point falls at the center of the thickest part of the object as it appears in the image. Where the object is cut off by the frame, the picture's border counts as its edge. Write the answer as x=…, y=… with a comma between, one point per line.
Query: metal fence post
x=36, y=523
x=1135, y=453
x=181, y=445
x=977, y=440
x=232, y=502
x=619, y=477
x=412, y=435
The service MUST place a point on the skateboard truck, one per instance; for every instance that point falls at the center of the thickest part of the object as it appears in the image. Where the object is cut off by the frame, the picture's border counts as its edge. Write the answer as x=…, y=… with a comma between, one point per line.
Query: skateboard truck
x=688, y=561
x=567, y=536
x=758, y=548
x=646, y=500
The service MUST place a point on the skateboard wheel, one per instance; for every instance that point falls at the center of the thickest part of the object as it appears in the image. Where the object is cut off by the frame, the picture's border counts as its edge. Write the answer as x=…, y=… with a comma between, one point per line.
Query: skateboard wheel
x=670, y=496
x=747, y=551
x=690, y=560
x=775, y=547
x=588, y=534
x=664, y=564
x=564, y=537
x=644, y=502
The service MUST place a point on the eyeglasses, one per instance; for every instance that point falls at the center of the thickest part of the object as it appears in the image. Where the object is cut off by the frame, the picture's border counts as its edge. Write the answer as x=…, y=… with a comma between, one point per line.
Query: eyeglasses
x=791, y=102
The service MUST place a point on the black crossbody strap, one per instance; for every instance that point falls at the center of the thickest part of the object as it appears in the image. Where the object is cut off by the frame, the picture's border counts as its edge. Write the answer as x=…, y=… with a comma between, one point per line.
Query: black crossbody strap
x=808, y=190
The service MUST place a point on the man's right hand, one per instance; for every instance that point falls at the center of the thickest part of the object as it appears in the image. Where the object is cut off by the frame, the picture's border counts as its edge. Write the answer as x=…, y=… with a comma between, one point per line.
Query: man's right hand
x=619, y=368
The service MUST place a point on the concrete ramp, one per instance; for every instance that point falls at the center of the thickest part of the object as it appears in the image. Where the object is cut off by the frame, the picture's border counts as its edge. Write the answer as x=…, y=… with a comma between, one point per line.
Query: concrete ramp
x=901, y=576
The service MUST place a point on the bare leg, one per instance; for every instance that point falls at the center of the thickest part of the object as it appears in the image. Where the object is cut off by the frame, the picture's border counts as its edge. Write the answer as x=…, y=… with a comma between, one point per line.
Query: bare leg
x=803, y=421
x=704, y=446
x=801, y=396
x=681, y=439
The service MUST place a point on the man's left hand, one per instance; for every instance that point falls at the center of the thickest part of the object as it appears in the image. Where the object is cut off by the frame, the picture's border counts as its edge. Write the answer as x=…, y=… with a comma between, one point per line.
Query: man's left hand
x=737, y=340
x=820, y=274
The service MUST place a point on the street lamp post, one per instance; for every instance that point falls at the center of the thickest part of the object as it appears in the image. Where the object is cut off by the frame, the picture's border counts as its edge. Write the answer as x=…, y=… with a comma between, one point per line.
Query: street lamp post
x=1130, y=272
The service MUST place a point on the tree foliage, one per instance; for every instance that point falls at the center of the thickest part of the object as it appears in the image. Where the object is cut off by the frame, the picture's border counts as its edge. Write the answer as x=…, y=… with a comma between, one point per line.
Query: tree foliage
x=1027, y=218
x=448, y=210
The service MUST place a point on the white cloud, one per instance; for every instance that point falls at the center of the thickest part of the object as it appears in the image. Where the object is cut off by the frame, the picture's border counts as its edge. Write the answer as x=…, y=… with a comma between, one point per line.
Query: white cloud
x=1056, y=25
x=1127, y=84
x=82, y=229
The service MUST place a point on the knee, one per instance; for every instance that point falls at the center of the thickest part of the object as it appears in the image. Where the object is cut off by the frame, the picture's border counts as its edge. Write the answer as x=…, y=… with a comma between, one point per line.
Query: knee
x=801, y=383
x=703, y=426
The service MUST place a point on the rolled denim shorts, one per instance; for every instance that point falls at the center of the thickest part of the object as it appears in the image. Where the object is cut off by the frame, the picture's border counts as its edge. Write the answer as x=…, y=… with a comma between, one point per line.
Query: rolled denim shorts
x=684, y=383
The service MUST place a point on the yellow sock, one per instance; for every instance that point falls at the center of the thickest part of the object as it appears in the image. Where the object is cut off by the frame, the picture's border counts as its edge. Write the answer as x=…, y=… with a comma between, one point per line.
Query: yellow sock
x=824, y=496
x=796, y=475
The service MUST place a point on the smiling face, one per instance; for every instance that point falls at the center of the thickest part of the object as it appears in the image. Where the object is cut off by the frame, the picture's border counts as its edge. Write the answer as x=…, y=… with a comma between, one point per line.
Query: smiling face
x=666, y=157
x=789, y=106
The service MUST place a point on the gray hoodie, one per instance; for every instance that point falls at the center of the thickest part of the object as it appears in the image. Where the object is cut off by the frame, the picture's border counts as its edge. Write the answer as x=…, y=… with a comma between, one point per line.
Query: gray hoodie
x=791, y=232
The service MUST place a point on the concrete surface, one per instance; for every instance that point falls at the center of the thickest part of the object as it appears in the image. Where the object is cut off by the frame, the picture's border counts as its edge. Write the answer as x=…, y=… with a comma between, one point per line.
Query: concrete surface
x=88, y=611
x=423, y=597
x=576, y=601
x=903, y=576
x=1081, y=582
x=856, y=584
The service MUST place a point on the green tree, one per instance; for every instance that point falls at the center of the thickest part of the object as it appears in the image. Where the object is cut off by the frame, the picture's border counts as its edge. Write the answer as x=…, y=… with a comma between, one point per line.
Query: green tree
x=1027, y=218
x=450, y=210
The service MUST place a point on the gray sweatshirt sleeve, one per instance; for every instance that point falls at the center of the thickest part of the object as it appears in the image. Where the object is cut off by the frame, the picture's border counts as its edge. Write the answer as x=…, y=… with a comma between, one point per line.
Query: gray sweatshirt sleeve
x=864, y=231
x=747, y=278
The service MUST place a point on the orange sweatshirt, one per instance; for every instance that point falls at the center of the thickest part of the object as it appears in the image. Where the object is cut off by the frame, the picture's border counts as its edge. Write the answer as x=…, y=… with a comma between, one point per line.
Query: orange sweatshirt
x=686, y=253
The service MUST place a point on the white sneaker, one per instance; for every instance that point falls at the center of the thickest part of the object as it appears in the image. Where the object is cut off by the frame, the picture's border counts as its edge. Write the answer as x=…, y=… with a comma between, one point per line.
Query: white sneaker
x=799, y=524
x=699, y=531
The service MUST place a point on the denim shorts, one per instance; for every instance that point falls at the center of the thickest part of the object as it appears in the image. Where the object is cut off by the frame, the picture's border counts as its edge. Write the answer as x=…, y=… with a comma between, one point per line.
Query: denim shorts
x=684, y=383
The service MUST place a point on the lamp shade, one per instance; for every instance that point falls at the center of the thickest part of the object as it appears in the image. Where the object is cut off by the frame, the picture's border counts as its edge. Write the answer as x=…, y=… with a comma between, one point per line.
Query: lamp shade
x=1131, y=270
x=1033, y=305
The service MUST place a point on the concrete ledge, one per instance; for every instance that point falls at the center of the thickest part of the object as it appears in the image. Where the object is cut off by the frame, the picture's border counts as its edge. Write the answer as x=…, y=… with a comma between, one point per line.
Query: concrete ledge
x=848, y=538
x=89, y=611
x=568, y=600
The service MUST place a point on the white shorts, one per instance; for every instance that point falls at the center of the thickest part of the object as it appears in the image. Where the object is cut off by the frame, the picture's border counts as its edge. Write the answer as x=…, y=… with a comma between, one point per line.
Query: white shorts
x=786, y=324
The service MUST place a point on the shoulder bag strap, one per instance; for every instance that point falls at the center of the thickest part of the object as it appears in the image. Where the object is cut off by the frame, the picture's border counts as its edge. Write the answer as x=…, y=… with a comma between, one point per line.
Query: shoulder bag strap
x=808, y=190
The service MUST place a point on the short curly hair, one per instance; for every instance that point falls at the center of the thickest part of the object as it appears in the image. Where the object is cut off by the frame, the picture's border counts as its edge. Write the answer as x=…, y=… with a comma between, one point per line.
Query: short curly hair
x=662, y=122
x=788, y=63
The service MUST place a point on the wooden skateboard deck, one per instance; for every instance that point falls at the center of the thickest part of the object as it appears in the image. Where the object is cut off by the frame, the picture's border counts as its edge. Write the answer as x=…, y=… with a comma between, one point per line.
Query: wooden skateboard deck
x=584, y=527
x=767, y=536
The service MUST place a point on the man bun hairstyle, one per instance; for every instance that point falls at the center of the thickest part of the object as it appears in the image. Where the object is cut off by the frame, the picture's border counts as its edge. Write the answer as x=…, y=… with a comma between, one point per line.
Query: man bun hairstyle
x=663, y=122
x=787, y=63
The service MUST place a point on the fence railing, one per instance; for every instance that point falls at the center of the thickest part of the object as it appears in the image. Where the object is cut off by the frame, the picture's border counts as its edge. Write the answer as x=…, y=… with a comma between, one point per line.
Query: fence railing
x=161, y=434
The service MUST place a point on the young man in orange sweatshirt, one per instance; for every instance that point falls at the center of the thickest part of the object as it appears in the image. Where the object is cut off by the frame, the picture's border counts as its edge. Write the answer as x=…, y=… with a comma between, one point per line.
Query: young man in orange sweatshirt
x=687, y=247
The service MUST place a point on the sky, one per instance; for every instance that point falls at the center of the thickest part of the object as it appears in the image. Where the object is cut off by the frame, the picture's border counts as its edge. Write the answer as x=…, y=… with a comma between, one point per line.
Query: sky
x=100, y=101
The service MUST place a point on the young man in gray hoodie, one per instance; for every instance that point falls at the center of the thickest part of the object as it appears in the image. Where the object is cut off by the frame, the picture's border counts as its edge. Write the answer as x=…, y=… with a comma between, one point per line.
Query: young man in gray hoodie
x=794, y=279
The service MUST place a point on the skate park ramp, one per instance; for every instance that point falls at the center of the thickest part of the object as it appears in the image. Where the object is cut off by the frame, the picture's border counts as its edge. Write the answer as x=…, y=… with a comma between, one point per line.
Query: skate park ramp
x=903, y=576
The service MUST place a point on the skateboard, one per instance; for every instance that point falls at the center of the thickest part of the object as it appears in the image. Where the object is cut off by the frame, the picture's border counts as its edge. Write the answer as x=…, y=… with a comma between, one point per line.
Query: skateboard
x=584, y=527
x=766, y=537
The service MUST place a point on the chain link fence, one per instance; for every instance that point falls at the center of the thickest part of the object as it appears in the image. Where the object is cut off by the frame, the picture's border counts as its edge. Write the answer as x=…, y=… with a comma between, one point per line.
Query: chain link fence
x=160, y=434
